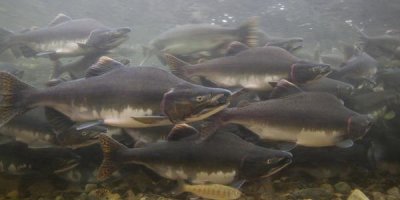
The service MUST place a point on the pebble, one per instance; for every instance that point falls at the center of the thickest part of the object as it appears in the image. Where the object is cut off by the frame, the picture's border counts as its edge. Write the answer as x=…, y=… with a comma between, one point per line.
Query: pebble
x=12, y=195
x=378, y=196
x=328, y=187
x=312, y=193
x=394, y=191
x=90, y=187
x=342, y=187
x=357, y=195
x=59, y=197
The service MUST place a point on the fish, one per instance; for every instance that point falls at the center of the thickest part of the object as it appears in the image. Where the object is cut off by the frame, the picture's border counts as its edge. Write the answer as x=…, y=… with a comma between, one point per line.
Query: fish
x=78, y=68
x=372, y=102
x=211, y=191
x=33, y=129
x=17, y=158
x=389, y=78
x=12, y=69
x=224, y=158
x=115, y=95
x=381, y=45
x=289, y=44
x=340, y=89
x=186, y=40
x=252, y=68
x=65, y=37
x=309, y=119
x=360, y=67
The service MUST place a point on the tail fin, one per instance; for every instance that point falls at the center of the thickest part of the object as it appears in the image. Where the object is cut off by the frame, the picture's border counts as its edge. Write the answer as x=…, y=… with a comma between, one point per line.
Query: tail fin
x=177, y=66
x=147, y=53
x=12, y=100
x=248, y=32
x=109, y=146
x=317, y=53
x=4, y=39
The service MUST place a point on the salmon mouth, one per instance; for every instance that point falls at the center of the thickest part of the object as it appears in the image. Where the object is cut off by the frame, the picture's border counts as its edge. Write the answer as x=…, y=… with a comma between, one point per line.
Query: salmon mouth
x=70, y=164
x=282, y=163
x=213, y=106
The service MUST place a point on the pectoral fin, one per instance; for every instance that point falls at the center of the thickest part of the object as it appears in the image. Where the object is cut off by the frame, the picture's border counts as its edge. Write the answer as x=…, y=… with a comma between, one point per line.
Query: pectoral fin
x=345, y=143
x=152, y=120
x=90, y=124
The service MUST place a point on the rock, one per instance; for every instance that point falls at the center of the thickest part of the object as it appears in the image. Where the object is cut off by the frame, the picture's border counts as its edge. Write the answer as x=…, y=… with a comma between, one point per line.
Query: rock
x=312, y=193
x=328, y=187
x=342, y=187
x=357, y=195
x=391, y=197
x=394, y=191
x=378, y=196
x=12, y=195
x=59, y=197
x=90, y=187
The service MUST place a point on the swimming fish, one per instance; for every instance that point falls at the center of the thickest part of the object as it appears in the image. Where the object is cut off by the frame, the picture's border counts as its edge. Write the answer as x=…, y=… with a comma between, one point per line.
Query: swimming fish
x=222, y=159
x=116, y=95
x=197, y=38
x=252, y=68
x=65, y=37
x=308, y=119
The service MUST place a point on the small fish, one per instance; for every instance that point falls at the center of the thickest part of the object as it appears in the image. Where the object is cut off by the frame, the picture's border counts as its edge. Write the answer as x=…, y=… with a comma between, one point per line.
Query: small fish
x=308, y=119
x=195, y=38
x=222, y=159
x=115, y=95
x=211, y=191
x=65, y=37
x=252, y=68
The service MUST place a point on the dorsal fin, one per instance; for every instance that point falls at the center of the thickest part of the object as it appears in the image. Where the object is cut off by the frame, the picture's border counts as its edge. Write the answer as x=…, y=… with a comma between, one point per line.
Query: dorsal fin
x=348, y=51
x=58, y=121
x=104, y=64
x=57, y=81
x=283, y=88
x=235, y=47
x=181, y=131
x=59, y=19
x=176, y=65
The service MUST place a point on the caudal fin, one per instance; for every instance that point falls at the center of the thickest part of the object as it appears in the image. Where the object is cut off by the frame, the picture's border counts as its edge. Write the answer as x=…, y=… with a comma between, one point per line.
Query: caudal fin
x=248, y=32
x=4, y=39
x=147, y=53
x=12, y=97
x=109, y=147
x=177, y=66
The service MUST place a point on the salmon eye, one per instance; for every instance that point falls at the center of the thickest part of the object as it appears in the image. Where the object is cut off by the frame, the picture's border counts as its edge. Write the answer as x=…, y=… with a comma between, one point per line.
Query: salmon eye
x=200, y=98
x=272, y=160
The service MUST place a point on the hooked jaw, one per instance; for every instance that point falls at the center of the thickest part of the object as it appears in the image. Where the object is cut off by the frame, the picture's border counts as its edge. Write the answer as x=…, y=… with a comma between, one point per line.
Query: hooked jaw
x=278, y=163
x=302, y=72
x=358, y=126
x=113, y=38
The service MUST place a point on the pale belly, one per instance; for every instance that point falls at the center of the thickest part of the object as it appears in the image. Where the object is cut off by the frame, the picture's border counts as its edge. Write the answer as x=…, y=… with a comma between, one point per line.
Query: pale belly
x=303, y=136
x=198, y=177
x=59, y=46
x=256, y=82
x=123, y=118
x=32, y=138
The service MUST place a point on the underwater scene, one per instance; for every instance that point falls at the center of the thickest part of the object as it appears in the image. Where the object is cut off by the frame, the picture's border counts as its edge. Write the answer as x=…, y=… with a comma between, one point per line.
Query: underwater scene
x=200, y=99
